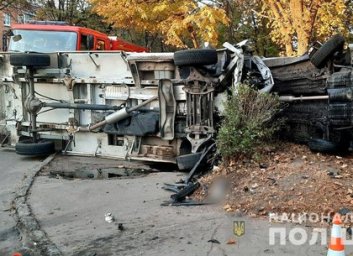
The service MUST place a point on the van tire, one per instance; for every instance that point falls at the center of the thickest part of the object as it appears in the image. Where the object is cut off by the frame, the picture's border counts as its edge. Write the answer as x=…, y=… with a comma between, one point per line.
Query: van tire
x=29, y=148
x=195, y=57
x=30, y=60
x=321, y=56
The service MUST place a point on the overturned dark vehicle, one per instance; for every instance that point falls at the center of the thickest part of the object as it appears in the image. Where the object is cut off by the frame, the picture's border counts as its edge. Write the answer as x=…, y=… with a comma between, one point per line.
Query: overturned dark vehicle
x=317, y=90
x=164, y=107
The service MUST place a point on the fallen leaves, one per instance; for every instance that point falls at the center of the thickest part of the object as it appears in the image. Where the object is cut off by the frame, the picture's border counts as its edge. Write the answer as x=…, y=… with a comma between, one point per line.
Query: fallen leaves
x=288, y=178
x=228, y=208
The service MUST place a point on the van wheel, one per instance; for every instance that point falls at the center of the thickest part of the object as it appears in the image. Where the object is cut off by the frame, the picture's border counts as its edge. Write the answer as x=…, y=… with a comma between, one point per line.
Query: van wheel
x=30, y=59
x=29, y=148
x=321, y=56
x=195, y=57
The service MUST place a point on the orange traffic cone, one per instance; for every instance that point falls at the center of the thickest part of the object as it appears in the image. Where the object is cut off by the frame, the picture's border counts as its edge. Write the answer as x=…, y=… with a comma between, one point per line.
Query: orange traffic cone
x=336, y=246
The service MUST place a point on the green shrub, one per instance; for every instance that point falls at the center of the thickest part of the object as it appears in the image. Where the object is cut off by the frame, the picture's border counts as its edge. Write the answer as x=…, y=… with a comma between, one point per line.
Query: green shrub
x=248, y=121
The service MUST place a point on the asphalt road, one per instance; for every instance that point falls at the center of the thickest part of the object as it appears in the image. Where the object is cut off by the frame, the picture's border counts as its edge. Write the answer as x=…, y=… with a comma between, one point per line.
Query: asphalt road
x=72, y=214
x=12, y=169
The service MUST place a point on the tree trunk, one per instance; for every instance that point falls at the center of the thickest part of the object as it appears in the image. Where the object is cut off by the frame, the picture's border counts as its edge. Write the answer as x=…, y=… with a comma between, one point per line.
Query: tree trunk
x=303, y=42
x=193, y=36
x=289, y=49
x=288, y=42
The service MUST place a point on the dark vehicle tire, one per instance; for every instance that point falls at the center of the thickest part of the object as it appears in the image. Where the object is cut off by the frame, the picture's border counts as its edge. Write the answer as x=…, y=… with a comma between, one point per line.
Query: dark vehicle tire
x=195, y=57
x=321, y=56
x=323, y=146
x=29, y=148
x=30, y=59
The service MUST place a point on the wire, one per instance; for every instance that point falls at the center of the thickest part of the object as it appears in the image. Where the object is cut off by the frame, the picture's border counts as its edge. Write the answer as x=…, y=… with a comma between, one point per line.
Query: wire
x=44, y=111
x=61, y=101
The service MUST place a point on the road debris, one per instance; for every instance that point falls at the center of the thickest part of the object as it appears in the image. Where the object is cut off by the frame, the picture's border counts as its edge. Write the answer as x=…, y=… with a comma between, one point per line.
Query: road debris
x=231, y=241
x=109, y=217
x=214, y=241
x=121, y=227
x=187, y=186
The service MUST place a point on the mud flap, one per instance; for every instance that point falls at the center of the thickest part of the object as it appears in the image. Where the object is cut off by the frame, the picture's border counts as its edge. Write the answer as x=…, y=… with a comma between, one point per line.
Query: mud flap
x=167, y=109
x=187, y=162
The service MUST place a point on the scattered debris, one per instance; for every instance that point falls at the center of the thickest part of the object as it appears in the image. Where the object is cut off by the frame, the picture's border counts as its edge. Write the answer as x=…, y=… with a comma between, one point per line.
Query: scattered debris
x=186, y=187
x=231, y=241
x=109, y=217
x=121, y=227
x=263, y=166
x=186, y=191
x=253, y=186
x=344, y=211
x=214, y=241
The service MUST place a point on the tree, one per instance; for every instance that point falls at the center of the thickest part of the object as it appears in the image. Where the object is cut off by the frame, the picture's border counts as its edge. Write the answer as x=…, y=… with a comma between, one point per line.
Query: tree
x=181, y=23
x=74, y=12
x=246, y=23
x=296, y=23
x=14, y=4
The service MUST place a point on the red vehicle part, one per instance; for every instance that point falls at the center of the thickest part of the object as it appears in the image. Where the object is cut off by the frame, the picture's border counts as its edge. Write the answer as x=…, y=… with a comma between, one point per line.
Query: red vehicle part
x=60, y=37
x=120, y=44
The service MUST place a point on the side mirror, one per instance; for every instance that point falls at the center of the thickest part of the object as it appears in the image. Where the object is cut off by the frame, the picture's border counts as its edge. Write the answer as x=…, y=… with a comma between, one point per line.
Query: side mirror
x=90, y=42
x=16, y=38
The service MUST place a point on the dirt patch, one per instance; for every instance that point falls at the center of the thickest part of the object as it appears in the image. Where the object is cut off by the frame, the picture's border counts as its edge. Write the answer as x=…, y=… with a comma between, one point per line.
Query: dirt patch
x=72, y=167
x=288, y=178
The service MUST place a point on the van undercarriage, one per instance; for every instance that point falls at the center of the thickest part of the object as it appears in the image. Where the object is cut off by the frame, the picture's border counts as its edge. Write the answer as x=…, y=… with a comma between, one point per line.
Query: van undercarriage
x=165, y=107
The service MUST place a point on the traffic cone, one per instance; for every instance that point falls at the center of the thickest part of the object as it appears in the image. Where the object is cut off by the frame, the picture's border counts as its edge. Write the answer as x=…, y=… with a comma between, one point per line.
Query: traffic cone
x=336, y=246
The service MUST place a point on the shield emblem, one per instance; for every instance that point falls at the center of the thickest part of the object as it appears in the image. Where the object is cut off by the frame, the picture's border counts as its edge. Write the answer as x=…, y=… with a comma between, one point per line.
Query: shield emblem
x=239, y=228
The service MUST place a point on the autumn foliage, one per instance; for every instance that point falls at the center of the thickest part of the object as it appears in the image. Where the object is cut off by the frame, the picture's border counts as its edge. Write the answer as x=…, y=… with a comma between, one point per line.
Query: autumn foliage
x=276, y=26
x=296, y=23
x=182, y=23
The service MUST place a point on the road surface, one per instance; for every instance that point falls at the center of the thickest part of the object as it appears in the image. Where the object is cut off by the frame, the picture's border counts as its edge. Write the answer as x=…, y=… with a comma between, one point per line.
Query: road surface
x=72, y=212
x=13, y=169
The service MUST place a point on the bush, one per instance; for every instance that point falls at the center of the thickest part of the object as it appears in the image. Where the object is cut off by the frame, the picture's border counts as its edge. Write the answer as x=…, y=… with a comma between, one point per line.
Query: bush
x=248, y=121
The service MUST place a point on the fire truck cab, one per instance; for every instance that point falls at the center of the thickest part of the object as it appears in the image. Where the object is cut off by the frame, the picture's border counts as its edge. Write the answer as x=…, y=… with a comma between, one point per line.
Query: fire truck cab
x=46, y=36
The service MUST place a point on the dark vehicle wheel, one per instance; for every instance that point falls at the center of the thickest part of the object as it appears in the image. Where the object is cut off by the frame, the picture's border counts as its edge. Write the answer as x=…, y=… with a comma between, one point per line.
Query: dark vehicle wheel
x=30, y=59
x=321, y=56
x=29, y=148
x=323, y=146
x=195, y=57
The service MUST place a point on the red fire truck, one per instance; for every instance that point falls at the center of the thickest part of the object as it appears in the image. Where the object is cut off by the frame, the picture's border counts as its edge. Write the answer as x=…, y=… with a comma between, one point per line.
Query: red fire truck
x=48, y=36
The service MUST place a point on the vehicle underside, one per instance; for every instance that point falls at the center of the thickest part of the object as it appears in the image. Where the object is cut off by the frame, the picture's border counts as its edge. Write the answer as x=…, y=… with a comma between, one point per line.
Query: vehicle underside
x=164, y=107
x=317, y=93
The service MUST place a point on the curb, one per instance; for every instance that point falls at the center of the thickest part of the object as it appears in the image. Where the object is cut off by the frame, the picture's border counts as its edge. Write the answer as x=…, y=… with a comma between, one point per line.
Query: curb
x=26, y=222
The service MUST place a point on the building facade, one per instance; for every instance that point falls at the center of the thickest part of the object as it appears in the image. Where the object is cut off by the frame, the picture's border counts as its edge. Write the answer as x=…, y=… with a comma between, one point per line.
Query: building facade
x=8, y=17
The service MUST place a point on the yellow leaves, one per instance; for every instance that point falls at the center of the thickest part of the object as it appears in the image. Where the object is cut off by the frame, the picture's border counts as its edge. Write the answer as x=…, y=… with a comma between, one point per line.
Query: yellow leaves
x=179, y=21
x=332, y=17
x=295, y=22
